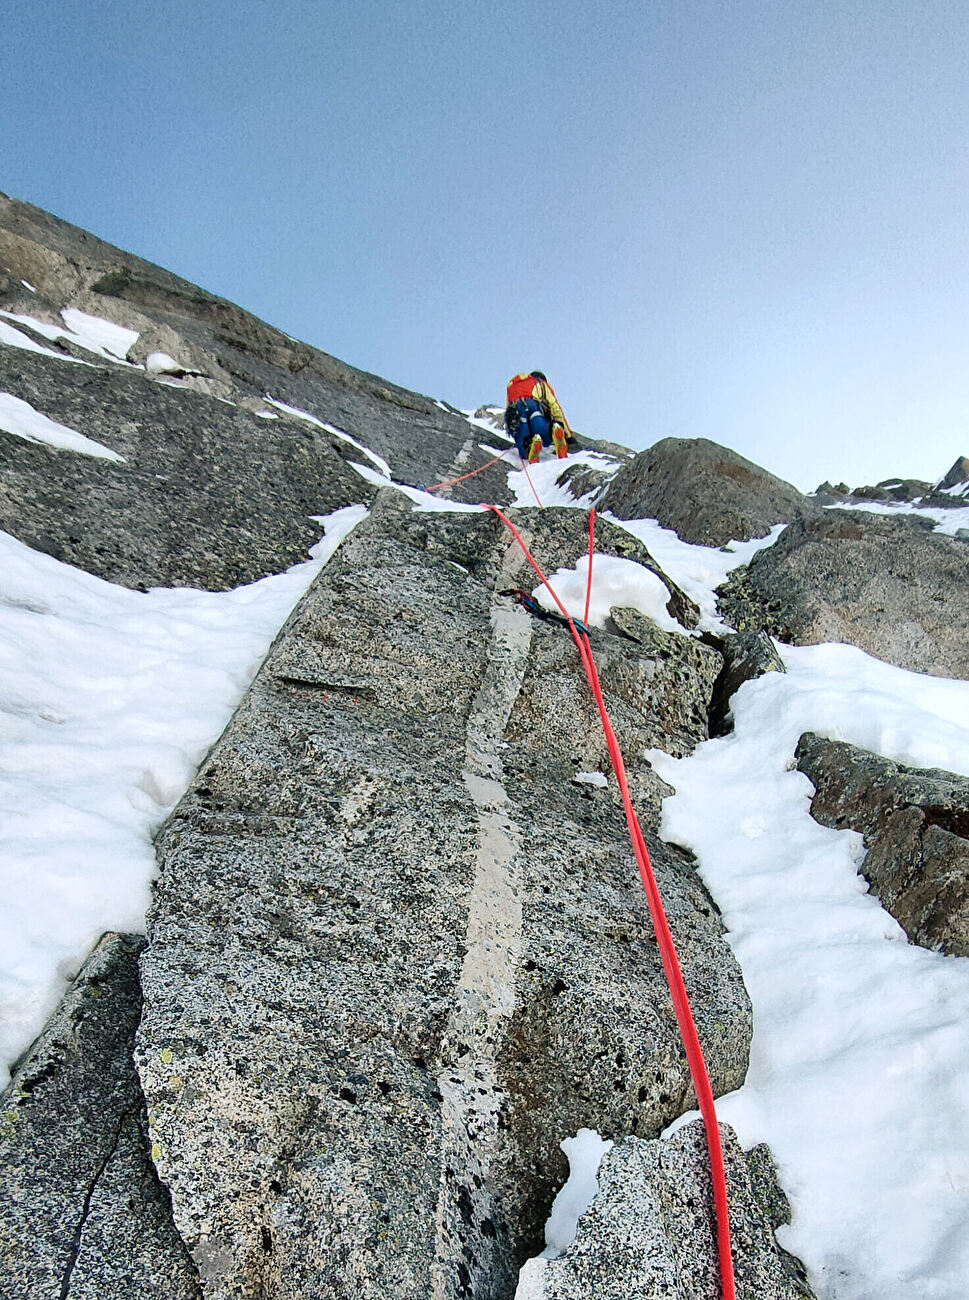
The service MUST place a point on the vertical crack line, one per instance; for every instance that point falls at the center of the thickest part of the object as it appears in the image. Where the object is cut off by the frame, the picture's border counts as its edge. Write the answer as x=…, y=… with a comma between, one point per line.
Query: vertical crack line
x=485, y=993
x=86, y=1206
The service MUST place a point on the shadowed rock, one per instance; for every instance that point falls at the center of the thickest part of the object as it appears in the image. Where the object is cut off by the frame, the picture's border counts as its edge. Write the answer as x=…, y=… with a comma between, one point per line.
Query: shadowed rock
x=651, y=1230
x=958, y=475
x=890, y=585
x=745, y=655
x=916, y=828
x=395, y=955
x=83, y=1216
x=706, y=492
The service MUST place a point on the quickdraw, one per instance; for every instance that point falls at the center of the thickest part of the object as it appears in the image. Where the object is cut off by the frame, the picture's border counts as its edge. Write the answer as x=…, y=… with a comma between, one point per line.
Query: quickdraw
x=531, y=604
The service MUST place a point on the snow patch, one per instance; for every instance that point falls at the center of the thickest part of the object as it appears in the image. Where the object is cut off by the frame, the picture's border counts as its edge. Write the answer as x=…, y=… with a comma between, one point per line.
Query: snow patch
x=584, y=1153
x=111, y=342
x=696, y=570
x=545, y=475
x=23, y=421
x=98, y=334
x=160, y=363
x=422, y=500
x=591, y=778
x=859, y=1070
x=616, y=583
x=15, y=338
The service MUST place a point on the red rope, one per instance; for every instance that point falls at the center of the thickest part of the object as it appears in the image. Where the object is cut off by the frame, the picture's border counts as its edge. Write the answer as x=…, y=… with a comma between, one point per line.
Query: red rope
x=461, y=477
x=671, y=965
x=588, y=584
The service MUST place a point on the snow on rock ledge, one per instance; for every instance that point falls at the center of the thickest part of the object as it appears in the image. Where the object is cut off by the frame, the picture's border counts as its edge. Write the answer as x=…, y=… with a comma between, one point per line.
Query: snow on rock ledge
x=650, y=1231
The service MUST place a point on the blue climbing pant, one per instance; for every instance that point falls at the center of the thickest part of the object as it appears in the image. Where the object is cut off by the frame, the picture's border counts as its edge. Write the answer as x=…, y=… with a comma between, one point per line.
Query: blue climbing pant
x=531, y=420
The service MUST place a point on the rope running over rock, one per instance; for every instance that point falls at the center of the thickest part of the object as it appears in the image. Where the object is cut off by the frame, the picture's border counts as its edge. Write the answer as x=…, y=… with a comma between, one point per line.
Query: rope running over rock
x=671, y=965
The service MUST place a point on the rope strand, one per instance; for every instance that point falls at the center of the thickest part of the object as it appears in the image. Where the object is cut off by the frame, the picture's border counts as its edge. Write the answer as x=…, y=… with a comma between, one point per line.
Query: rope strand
x=664, y=937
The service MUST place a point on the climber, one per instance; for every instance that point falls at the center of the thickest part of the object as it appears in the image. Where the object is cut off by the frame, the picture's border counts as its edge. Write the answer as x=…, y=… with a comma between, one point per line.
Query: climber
x=534, y=417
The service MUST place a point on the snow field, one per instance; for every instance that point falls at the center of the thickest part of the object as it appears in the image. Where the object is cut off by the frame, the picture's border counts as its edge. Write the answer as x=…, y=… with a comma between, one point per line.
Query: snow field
x=859, y=1072
x=109, y=699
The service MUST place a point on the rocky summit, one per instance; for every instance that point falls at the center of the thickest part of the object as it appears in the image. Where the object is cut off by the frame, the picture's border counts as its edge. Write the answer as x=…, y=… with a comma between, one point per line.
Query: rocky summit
x=398, y=945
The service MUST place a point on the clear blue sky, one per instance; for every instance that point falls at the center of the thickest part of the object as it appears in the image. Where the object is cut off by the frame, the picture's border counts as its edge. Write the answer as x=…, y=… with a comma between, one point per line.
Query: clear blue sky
x=738, y=219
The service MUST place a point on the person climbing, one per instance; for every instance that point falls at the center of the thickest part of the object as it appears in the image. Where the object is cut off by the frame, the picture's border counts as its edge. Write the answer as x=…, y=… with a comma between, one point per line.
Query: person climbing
x=534, y=417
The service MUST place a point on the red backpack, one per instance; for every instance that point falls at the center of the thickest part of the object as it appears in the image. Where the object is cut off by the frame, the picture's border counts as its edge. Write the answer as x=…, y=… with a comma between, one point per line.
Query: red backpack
x=520, y=386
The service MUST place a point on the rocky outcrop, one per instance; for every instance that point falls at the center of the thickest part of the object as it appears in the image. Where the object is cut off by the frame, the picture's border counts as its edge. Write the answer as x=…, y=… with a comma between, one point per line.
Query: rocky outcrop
x=890, y=585
x=958, y=475
x=896, y=491
x=706, y=492
x=83, y=1215
x=395, y=954
x=216, y=487
x=745, y=655
x=916, y=828
x=651, y=1230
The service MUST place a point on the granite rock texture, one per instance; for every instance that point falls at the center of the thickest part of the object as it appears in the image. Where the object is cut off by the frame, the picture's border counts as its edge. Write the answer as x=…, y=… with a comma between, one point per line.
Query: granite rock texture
x=83, y=1215
x=916, y=828
x=745, y=655
x=891, y=585
x=395, y=954
x=210, y=493
x=705, y=492
x=650, y=1231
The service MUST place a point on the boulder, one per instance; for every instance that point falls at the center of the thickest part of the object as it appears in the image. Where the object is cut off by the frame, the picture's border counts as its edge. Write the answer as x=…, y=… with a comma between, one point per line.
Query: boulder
x=706, y=492
x=651, y=1230
x=83, y=1215
x=889, y=584
x=916, y=828
x=395, y=953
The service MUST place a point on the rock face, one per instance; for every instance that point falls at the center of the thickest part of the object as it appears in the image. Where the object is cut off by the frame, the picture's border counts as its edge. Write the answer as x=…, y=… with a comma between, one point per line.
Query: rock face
x=916, y=828
x=745, y=655
x=958, y=475
x=651, y=1229
x=706, y=492
x=83, y=1215
x=394, y=955
x=892, y=586
x=210, y=492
